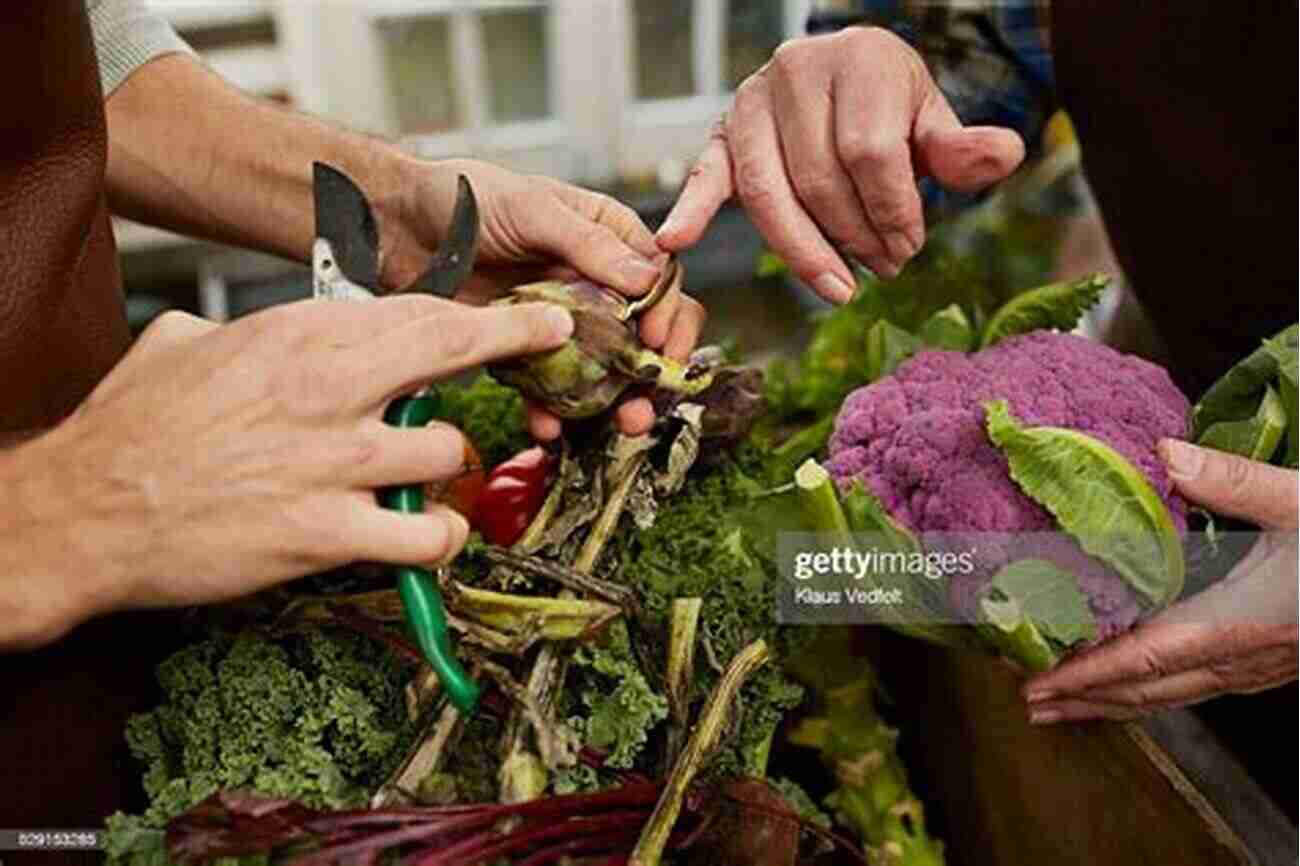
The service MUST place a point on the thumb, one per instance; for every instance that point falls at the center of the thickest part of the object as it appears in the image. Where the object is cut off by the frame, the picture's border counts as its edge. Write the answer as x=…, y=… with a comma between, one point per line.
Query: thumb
x=962, y=158
x=1232, y=485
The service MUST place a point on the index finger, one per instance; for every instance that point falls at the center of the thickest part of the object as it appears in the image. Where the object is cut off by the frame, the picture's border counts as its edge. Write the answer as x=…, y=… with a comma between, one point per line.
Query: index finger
x=452, y=340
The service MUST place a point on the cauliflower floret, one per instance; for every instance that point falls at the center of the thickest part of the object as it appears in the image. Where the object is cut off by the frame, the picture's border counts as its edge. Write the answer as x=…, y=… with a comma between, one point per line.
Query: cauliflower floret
x=917, y=440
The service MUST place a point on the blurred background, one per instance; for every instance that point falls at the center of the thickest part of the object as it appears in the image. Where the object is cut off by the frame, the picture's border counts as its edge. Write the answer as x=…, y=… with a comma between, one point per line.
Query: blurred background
x=614, y=94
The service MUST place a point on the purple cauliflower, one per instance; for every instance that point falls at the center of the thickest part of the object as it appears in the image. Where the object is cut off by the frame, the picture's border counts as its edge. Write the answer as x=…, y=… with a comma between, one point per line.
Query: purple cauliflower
x=917, y=440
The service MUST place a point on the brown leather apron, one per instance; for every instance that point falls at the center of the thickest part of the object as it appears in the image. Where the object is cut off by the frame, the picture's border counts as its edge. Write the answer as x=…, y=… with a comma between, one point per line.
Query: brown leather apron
x=62, y=327
x=1187, y=121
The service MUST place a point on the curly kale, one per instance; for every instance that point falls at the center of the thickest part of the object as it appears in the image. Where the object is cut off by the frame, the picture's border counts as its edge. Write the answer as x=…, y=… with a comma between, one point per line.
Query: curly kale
x=317, y=717
x=612, y=705
x=699, y=547
x=490, y=414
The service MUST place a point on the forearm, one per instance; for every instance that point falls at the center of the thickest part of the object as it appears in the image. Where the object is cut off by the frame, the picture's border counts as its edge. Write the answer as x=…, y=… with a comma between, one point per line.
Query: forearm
x=191, y=153
x=57, y=568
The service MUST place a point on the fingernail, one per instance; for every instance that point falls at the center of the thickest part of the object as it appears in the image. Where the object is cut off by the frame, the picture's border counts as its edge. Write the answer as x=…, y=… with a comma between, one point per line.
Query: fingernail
x=833, y=288
x=1044, y=717
x=462, y=524
x=884, y=269
x=637, y=273
x=1183, y=461
x=901, y=247
x=559, y=321
x=1039, y=696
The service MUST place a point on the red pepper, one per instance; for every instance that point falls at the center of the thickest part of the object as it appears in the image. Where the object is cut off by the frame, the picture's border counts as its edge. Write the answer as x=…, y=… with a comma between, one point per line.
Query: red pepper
x=513, y=495
x=462, y=491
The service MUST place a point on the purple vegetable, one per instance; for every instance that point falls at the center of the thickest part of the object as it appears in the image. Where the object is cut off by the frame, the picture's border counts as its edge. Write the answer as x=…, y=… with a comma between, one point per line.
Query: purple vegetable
x=917, y=440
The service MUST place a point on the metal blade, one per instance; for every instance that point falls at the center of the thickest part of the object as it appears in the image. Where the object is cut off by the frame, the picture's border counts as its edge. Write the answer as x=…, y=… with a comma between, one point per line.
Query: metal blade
x=343, y=218
x=454, y=260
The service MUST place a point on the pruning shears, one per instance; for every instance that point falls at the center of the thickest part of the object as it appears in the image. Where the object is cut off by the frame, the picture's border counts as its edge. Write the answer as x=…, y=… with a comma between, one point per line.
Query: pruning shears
x=345, y=266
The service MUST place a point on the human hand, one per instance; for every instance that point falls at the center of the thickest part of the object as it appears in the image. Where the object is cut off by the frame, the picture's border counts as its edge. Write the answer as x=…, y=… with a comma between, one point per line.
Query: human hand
x=537, y=228
x=824, y=145
x=216, y=461
x=1238, y=636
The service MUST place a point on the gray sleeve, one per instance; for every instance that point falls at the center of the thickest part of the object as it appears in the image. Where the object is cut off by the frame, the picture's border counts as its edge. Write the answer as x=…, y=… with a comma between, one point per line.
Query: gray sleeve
x=127, y=36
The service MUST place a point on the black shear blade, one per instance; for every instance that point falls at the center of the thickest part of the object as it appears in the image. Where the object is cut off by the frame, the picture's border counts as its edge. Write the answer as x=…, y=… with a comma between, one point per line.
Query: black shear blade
x=454, y=260
x=343, y=218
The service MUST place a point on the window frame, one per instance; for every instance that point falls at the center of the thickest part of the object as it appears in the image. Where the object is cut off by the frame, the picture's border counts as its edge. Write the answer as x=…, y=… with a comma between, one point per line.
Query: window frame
x=677, y=128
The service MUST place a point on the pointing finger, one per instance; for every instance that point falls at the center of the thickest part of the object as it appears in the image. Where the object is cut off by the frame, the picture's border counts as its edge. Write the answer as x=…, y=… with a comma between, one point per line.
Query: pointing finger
x=708, y=186
x=764, y=187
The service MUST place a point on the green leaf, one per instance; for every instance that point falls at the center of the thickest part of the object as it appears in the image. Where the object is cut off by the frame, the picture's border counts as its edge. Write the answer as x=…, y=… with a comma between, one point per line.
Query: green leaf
x=1046, y=595
x=1033, y=611
x=1236, y=395
x=779, y=463
x=1256, y=437
x=1283, y=348
x=948, y=329
x=1098, y=497
x=770, y=265
x=1055, y=305
x=888, y=346
x=865, y=513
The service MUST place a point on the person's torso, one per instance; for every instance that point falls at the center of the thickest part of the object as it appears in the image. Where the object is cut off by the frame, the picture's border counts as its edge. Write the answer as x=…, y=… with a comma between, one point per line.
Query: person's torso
x=1187, y=123
x=62, y=317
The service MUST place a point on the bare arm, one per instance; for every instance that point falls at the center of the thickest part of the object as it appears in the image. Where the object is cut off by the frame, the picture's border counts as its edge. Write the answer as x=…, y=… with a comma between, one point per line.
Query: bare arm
x=189, y=152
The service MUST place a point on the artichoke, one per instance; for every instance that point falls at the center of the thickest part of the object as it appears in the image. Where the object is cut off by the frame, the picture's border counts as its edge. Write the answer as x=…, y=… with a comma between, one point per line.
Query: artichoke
x=604, y=357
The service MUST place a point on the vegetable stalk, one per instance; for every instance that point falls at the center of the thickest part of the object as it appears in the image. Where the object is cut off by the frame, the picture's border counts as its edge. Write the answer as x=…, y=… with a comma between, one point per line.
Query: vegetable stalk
x=708, y=731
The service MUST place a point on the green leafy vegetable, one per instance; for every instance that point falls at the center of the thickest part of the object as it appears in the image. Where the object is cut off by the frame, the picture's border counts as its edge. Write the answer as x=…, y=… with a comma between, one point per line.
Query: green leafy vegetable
x=318, y=717
x=1256, y=437
x=1036, y=610
x=490, y=414
x=1098, y=497
x=1285, y=352
x=948, y=329
x=888, y=346
x=866, y=514
x=703, y=546
x=1237, y=413
x=1055, y=305
x=619, y=705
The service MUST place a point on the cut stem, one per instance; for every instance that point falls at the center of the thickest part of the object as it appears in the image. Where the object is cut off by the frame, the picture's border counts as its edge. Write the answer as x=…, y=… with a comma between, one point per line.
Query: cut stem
x=681, y=669
x=704, y=739
x=821, y=501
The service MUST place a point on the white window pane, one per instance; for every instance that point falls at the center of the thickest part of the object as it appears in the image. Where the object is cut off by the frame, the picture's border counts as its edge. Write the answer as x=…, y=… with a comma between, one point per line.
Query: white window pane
x=754, y=29
x=664, y=32
x=417, y=59
x=514, y=47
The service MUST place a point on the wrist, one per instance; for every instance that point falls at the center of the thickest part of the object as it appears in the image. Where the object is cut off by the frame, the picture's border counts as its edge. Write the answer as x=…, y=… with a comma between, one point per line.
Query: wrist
x=391, y=179
x=417, y=198
x=59, y=564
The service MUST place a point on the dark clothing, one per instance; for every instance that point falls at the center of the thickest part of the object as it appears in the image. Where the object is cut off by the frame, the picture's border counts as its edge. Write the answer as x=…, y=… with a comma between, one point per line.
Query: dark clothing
x=1187, y=124
x=62, y=327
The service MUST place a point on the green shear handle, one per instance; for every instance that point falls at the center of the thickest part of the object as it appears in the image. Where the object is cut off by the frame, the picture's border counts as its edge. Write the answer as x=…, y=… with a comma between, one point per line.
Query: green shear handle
x=345, y=266
x=419, y=591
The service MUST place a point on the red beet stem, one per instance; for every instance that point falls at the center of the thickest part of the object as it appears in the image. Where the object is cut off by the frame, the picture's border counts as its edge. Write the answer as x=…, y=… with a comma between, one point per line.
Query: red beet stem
x=593, y=844
x=486, y=847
